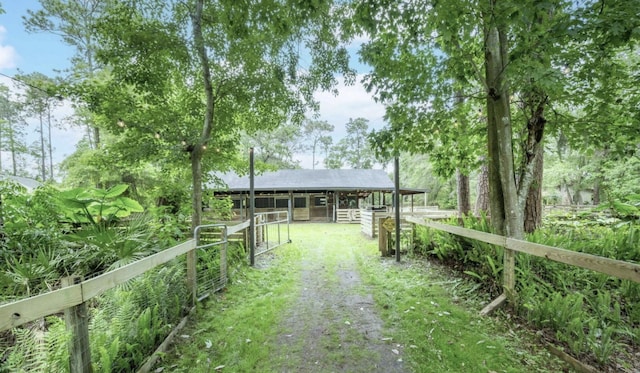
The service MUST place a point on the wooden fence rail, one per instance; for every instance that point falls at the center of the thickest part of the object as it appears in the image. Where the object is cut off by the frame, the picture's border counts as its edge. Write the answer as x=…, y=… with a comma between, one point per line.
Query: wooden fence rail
x=616, y=268
x=76, y=293
x=31, y=309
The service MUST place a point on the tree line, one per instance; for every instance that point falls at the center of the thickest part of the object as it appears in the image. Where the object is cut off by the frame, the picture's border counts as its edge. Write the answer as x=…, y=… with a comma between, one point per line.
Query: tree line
x=484, y=83
x=282, y=147
x=33, y=101
x=473, y=88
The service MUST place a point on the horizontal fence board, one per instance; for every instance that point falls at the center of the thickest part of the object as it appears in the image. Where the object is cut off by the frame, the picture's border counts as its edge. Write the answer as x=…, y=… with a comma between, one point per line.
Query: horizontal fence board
x=464, y=232
x=616, y=268
x=111, y=279
x=30, y=309
x=238, y=228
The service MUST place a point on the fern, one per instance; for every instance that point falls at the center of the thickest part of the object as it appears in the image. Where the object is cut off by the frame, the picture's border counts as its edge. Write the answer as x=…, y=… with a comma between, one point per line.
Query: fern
x=107, y=354
x=57, y=339
x=29, y=352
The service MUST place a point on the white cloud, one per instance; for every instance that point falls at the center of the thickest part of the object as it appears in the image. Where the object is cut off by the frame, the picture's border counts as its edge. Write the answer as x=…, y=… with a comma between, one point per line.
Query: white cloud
x=8, y=55
x=353, y=101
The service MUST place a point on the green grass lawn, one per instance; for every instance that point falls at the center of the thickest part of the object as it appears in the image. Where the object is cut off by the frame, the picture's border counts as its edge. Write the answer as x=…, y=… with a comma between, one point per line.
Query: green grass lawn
x=430, y=317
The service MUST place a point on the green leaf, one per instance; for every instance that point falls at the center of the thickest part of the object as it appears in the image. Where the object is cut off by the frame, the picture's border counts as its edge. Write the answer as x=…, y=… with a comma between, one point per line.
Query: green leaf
x=115, y=191
x=129, y=204
x=624, y=208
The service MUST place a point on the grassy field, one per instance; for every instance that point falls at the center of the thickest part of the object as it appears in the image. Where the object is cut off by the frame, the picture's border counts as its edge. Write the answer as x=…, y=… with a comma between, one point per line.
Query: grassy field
x=428, y=319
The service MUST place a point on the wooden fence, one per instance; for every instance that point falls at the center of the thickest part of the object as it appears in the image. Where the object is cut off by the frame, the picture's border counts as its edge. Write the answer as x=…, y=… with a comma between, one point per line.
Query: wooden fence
x=348, y=216
x=369, y=219
x=616, y=268
x=73, y=297
x=369, y=222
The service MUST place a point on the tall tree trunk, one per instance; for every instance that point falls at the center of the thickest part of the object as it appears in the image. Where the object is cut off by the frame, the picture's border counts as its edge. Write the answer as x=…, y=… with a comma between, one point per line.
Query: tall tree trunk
x=568, y=198
x=533, y=205
x=462, y=180
x=196, y=177
x=596, y=192
x=49, y=144
x=96, y=137
x=482, y=198
x=43, y=171
x=530, y=178
x=12, y=146
x=207, y=127
x=90, y=72
x=510, y=220
x=464, y=203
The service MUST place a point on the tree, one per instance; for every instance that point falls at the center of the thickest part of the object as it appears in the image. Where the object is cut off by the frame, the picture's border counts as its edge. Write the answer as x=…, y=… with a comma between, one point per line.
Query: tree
x=74, y=22
x=317, y=134
x=11, y=129
x=424, y=53
x=353, y=150
x=276, y=147
x=482, y=191
x=37, y=102
x=417, y=171
x=186, y=77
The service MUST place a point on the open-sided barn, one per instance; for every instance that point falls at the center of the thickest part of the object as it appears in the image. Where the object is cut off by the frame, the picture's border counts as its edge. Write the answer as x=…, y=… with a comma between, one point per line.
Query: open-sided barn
x=321, y=195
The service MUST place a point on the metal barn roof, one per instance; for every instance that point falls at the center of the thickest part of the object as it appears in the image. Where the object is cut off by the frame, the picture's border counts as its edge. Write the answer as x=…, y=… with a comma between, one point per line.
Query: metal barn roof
x=29, y=184
x=307, y=180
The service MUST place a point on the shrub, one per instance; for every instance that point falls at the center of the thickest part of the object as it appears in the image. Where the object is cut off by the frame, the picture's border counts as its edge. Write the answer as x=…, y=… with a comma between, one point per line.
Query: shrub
x=591, y=313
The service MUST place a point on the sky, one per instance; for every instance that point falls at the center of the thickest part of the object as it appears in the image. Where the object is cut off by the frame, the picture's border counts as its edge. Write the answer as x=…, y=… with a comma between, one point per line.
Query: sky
x=22, y=53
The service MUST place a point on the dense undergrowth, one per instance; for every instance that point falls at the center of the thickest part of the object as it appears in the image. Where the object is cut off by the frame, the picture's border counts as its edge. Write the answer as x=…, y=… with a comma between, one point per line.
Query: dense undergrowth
x=594, y=316
x=48, y=234
x=126, y=325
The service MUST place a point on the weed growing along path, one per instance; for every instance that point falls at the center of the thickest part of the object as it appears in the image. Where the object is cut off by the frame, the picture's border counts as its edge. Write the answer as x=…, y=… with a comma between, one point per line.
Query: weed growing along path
x=328, y=303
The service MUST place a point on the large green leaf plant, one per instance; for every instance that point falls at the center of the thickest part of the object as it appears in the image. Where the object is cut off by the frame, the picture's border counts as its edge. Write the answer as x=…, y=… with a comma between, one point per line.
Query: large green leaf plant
x=108, y=240
x=99, y=207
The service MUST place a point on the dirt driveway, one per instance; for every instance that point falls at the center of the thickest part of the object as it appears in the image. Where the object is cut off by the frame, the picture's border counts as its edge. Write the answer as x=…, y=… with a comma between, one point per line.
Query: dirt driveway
x=333, y=325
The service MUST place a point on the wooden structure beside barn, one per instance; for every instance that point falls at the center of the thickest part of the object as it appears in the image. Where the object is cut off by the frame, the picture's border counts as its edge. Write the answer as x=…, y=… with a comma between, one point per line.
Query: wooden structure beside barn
x=311, y=195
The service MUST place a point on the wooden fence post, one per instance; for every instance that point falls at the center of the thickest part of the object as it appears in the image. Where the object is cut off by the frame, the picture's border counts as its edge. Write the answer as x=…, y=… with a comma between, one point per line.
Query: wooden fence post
x=191, y=275
x=509, y=277
x=77, y=321
x=383, y=244
x=223, y=258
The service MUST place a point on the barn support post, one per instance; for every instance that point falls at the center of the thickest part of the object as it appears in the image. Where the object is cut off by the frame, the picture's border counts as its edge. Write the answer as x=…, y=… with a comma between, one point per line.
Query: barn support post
x=412, y=203
x=326, y=205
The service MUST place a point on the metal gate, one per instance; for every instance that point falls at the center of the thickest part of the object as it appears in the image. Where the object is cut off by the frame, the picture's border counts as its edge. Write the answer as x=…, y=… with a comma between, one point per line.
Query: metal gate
x=270, y=232
x=211, y=259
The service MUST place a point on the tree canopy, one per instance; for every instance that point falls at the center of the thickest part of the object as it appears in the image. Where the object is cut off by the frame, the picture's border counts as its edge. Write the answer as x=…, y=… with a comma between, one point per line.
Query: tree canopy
x=503, y=64
x=184, y=78
x=353, y=150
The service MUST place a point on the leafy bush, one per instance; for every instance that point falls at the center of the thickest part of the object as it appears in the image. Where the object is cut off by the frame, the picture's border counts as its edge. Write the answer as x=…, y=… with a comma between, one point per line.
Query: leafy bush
x=51, y=234
x=591, y=313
